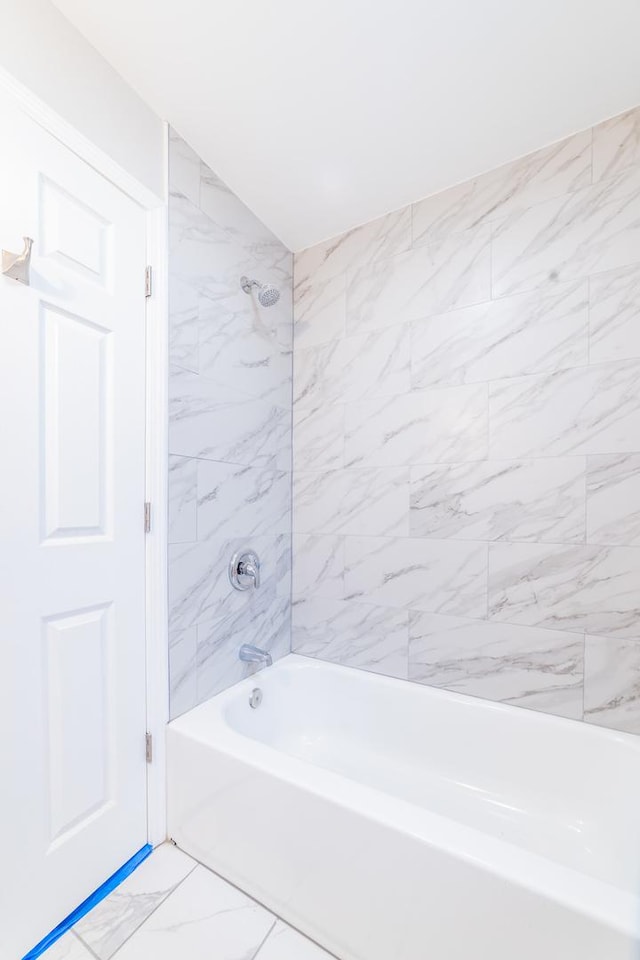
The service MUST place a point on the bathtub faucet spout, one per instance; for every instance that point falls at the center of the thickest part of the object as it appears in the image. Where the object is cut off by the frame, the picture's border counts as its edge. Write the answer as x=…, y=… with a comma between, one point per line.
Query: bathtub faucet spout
x=248, y=653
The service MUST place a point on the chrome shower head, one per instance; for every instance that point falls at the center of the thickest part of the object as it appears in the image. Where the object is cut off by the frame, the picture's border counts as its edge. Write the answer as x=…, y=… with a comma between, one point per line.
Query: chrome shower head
x=267, y=293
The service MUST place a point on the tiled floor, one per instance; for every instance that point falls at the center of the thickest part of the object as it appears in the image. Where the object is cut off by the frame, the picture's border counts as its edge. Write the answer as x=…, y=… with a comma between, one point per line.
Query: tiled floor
x=172, y=908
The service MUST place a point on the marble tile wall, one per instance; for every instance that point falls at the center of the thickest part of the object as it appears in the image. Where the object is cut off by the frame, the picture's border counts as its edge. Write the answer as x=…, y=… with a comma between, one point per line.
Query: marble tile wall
x=229, y=432
x=467, y=436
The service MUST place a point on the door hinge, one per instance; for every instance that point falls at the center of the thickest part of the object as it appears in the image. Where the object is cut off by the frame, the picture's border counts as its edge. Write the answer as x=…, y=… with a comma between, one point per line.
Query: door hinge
x=147, y=517
x=148, y=747
x=148, y=281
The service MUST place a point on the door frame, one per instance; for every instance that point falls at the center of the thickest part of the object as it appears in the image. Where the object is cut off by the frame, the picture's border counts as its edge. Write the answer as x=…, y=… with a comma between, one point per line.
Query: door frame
x=156, y=428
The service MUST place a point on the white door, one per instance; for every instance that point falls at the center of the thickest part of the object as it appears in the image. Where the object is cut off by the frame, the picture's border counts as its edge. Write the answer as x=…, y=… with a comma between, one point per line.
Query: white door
x=72, y=579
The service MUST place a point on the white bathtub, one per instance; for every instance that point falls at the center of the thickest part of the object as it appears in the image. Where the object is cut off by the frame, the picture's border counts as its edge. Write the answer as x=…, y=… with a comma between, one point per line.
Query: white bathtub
x=390, y=821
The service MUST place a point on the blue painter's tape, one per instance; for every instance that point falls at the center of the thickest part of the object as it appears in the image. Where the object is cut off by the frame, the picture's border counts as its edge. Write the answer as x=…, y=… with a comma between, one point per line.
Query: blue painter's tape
x=88, y=904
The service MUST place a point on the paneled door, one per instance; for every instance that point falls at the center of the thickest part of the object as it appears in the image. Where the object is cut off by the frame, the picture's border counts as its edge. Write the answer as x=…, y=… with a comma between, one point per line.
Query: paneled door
x=72, y=576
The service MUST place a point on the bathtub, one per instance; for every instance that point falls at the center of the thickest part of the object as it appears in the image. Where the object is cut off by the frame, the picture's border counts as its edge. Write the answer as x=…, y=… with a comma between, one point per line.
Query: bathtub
x=391, y=821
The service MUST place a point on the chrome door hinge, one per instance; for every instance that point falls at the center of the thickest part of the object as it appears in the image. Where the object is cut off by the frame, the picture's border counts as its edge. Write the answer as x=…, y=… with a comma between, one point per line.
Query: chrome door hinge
x=147, y=517
x=148, y=741
x=148, y=281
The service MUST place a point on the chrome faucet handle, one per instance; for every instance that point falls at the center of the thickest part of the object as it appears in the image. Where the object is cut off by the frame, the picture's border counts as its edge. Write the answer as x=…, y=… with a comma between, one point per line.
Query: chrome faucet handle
x=249, y=568
x=244, y=570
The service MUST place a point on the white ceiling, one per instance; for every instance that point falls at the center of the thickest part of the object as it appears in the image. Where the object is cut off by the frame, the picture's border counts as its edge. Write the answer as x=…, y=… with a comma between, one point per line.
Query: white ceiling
x=323, y=114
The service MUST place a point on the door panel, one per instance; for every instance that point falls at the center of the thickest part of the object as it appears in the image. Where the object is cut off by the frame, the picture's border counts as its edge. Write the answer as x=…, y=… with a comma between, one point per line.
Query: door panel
x=72, y=421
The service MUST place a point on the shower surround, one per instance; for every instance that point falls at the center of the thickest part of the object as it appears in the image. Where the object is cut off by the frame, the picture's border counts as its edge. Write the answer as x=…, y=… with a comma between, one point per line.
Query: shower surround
x=229, y=432
x=467, y=436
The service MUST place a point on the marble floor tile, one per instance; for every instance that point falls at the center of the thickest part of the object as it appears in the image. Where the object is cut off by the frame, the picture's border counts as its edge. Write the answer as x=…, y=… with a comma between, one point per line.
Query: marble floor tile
x=113, y=920
x=523, y=666
x=354, y=634
x=554, y=170
x=613, y=499
x=285, y=943
x=68, y=947
x=612, y=683
x=205, y=918
x=541, y=500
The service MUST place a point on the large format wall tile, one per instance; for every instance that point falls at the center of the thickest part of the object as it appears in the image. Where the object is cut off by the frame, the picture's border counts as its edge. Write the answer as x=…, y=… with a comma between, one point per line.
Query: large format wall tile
x=373, y=364
x=527, y=666
x=527, y=333
x=436, y=425
x=184, y=324
x=614, y=315
x=483, y=475
x=352, y=502
x=230, y=439
x=211, y=422
x=442, y=275
x=183, y=693
x=184, y=168
x=223, y=207
x=585, y=588
x=500, y=500
x=238, y=501
x=594, y=229
x=550, y=172
x=320, y=310
x=240, y=350
x=377, y=240
x=616, y=144
x=355, y=634
x=319, y=567
x=183, y=496
x=613, y=499
x=582, y=411
x=612, y=683
x=440, y=575
x=318, y=437
x=264, y=622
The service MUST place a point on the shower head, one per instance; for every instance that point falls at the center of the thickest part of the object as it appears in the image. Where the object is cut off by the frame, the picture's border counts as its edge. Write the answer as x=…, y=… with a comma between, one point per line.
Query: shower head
x=267, y=293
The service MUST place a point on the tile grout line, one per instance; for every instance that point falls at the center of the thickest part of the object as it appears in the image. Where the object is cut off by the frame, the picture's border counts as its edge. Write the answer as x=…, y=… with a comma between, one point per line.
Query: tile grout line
x=265, y=938
x=85, y=945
